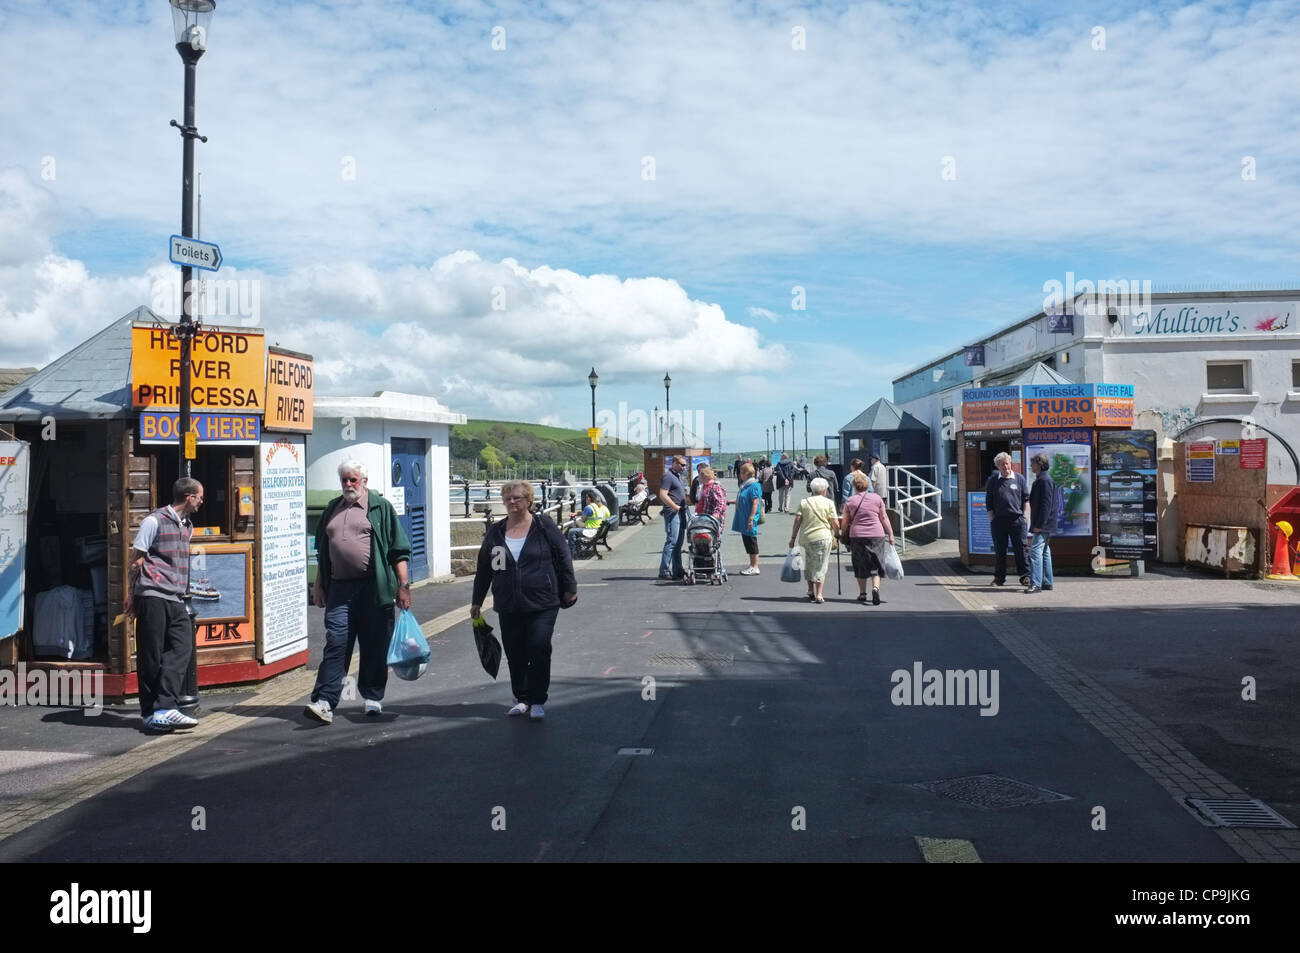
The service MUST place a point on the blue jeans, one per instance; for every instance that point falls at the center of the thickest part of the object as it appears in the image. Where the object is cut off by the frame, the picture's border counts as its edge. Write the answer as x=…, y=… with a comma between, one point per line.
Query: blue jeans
x=1040, y=559
x=351, y=616
x=674, y=537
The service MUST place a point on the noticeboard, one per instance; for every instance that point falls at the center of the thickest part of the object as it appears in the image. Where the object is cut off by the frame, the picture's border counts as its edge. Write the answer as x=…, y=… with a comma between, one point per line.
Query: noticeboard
x=1126, y=493
x=14, y=465
x=979, y=533
x=282, y=564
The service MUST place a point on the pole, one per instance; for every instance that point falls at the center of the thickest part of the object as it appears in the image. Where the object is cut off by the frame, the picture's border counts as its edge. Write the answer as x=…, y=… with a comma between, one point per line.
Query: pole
x=805, y=430
x=593, y=439
x=185, y=331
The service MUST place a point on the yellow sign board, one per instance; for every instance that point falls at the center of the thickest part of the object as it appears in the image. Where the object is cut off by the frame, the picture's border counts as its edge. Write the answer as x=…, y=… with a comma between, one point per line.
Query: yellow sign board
x=594, y=434
x=227, y=369
x=191, y=445
x=289, y=403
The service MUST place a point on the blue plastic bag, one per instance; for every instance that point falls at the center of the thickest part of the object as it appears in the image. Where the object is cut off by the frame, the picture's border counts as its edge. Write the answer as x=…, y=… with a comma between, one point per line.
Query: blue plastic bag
x=408, y=652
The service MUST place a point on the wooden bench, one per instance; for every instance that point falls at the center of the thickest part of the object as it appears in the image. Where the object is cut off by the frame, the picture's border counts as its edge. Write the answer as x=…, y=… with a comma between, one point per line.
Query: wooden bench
x=585, y=546
x=629, y=514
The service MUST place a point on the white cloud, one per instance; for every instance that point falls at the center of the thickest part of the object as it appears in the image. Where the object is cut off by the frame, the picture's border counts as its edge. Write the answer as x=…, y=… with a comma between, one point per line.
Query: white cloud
x=763, y=313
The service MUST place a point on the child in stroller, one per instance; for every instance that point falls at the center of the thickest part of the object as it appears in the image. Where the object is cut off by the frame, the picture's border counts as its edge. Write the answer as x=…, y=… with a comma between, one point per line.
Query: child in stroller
x=704, y=539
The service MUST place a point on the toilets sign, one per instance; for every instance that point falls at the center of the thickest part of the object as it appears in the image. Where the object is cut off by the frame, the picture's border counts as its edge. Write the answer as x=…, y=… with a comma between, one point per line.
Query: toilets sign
x=192, y=253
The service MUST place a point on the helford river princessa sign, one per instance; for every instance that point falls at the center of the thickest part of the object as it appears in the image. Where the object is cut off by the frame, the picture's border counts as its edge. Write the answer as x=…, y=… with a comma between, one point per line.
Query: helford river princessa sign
x=227, y=369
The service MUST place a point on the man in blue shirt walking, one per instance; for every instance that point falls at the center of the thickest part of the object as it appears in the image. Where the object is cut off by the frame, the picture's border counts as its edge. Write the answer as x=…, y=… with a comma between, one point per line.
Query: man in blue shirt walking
x=672, y=494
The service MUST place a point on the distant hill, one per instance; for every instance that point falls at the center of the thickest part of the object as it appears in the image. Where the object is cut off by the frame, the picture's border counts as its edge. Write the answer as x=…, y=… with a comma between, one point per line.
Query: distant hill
x=498, y=446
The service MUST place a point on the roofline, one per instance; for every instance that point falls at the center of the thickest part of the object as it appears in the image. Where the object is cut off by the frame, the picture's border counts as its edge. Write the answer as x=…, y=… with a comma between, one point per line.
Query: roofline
x=1161, y=295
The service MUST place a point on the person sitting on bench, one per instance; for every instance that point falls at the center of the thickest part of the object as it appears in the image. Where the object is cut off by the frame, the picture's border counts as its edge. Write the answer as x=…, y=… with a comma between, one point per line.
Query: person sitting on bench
x=594, y=513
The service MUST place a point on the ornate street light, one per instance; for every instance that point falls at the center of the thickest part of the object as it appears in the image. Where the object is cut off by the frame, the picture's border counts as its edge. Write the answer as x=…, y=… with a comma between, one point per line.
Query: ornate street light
x=592, y=379
x=805, y=430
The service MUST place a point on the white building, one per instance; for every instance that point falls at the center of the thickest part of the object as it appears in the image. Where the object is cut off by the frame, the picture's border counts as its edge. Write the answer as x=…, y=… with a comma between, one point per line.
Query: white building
x=403, y=441
x=1204, y=365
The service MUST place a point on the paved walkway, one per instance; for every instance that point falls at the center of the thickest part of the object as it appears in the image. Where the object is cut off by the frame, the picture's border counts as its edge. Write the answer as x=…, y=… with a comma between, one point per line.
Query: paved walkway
x=727, y=722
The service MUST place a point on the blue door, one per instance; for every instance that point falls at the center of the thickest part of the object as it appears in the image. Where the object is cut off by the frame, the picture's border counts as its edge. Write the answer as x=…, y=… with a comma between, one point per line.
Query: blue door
x=408, y=473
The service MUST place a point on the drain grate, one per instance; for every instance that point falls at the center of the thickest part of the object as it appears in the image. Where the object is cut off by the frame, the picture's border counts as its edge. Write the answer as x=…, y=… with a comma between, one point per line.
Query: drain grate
x=636, y=751
x=1230, y=812
x=692, y=661
x=991, y=792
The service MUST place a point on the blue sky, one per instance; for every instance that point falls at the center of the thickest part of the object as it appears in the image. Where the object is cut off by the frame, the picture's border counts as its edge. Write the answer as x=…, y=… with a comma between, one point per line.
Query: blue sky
x=425, y=212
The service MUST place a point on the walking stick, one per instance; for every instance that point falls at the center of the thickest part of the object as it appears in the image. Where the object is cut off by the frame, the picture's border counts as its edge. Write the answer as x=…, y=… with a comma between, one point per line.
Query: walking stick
x=839, y=573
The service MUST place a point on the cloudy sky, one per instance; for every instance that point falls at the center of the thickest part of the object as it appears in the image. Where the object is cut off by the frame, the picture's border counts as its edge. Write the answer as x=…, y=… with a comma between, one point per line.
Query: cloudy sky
x=777, y=204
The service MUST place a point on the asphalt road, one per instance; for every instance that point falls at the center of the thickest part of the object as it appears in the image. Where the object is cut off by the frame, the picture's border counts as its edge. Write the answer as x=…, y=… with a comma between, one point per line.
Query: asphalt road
x=773, y=728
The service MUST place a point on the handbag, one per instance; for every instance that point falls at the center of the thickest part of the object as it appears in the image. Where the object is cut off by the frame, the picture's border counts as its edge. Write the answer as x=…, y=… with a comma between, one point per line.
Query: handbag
x=792, y=571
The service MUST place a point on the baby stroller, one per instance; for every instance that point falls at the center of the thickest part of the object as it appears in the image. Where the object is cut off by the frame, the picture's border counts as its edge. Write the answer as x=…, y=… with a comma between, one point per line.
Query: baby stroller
x=704, y=539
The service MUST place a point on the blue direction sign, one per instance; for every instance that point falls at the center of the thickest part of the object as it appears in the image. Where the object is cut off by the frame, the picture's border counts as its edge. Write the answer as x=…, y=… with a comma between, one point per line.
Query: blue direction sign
x=196, y=254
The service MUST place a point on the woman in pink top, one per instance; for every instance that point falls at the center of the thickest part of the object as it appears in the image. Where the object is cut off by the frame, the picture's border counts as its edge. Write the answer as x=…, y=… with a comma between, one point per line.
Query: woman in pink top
x=867, y=527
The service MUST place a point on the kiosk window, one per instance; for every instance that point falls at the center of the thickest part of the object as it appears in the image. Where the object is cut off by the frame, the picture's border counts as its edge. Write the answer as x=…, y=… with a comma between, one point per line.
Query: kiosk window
x=1295, y=375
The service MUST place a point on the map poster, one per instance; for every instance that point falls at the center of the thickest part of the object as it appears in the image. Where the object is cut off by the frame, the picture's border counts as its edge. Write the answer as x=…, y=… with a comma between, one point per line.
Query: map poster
x=282, y=568
x=1126, y=493
x=1069, y=458
x=14, y=462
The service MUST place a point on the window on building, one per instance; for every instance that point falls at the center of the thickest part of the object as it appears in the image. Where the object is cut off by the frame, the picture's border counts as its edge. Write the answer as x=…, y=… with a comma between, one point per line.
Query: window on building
x=1295, y=375
x=1226, y=377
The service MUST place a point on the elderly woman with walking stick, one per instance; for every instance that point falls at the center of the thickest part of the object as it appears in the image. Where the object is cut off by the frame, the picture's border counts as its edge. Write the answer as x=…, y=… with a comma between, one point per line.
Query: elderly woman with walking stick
x=814, y=527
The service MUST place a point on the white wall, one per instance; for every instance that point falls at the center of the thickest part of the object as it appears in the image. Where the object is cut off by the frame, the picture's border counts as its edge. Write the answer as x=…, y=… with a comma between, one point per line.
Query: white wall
x=372, y=445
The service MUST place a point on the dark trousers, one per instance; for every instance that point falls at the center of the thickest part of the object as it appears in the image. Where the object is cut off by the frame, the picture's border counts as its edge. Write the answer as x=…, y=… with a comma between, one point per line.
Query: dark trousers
x=1014, y=530
x=767, y=501
x=164, y=641
x=351, y=616
x=526, y=638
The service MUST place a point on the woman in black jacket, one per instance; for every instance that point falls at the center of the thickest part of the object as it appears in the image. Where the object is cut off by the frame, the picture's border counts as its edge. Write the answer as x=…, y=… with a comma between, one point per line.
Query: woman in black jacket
x=526, y=561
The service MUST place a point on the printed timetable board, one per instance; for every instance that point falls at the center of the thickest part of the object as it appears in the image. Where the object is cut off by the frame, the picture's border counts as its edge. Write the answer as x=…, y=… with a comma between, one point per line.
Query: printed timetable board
x=1126, y=493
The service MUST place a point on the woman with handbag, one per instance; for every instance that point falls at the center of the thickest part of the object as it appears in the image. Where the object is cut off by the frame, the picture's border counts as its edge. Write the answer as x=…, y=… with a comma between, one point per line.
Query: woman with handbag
x=526, y=561
x=866, y=528
x=767, y=479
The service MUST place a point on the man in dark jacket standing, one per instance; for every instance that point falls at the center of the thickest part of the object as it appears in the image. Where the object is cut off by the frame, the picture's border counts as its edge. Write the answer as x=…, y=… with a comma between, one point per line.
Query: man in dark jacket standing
x=362, y=558
x=821, y=470
x=1042, y=518
x=784, y=481
x=1006, y=499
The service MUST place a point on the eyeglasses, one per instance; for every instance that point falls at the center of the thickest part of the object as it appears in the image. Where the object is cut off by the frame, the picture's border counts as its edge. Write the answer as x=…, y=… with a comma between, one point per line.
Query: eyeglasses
x=350, y=479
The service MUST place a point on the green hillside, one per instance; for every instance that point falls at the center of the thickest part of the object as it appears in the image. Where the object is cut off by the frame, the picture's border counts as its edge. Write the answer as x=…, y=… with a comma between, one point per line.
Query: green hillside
x=507, y=448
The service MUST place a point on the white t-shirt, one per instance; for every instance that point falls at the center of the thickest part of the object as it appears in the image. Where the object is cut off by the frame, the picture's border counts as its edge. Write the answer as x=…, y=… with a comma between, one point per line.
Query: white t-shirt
x=516, y=546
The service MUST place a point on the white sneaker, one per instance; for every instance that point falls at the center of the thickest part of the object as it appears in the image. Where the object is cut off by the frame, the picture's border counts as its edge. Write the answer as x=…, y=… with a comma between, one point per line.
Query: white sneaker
x=374, y=707
x=321, y=711
x=749, y=571
x=519, y=709
x=536, y=713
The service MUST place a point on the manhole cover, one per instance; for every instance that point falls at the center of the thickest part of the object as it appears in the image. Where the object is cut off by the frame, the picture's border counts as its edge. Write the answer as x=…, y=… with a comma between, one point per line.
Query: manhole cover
x=990, y=792
x=692, y=661
x=1227, y=812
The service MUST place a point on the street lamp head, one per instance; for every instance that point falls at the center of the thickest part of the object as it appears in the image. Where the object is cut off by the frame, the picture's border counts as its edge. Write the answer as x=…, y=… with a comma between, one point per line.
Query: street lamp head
x=190, y=22
x=805, y=408
x=592, y=378
x=668, y=381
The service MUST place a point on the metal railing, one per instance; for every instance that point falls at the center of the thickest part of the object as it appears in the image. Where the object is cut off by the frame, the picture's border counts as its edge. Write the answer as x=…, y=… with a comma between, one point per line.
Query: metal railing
x=916, y=498
x=548, y=497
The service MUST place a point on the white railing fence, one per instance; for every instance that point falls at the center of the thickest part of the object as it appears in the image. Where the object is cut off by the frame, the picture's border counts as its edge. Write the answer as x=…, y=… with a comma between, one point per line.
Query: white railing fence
x=916, y=498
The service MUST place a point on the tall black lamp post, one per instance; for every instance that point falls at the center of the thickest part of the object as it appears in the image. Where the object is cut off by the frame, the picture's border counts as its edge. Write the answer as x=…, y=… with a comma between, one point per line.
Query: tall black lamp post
x=792, y=446
x=805, y=430
x=767, y=451
x=591, y=379
x=783, y=435
x=190, y=21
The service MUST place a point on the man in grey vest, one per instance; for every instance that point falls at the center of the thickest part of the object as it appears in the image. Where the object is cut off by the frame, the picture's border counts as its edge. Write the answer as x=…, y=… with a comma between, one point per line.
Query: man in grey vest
x=155, y=594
